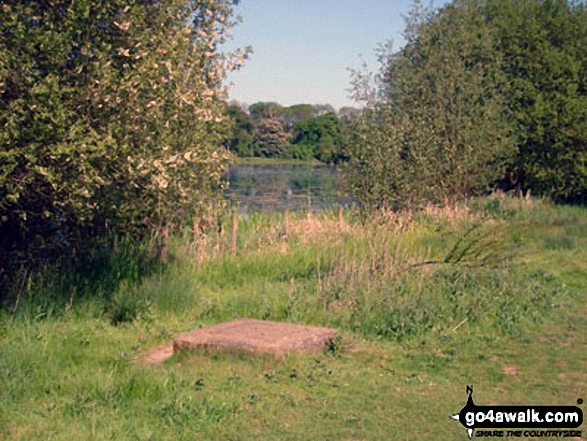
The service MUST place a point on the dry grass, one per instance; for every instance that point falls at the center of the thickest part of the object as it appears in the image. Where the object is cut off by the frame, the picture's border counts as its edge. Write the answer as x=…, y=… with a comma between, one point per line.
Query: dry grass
x=308, y=228
x=261, y=235
x=453, y=213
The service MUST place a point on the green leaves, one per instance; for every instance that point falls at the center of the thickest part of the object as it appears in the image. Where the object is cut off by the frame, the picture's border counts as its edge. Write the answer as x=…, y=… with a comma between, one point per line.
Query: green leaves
x=270, y=137
x=439, y=130
x=483, y=93
x=544, y=47
x=112, y=118
x=301, y=131
x=320, y=137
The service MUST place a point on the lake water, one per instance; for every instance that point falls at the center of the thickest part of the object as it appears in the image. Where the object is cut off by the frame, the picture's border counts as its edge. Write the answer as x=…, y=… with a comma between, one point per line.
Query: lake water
x=277, y=187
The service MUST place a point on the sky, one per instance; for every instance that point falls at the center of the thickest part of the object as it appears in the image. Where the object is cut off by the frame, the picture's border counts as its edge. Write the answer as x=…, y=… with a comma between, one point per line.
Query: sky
x=302, y=49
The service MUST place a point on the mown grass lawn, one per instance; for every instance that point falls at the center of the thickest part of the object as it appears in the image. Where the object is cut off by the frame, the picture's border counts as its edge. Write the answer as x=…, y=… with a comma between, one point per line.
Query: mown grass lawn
x=426, y=304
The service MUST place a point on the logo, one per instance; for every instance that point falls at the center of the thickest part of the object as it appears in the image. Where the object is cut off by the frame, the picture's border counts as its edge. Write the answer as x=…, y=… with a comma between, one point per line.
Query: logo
x=474, y=417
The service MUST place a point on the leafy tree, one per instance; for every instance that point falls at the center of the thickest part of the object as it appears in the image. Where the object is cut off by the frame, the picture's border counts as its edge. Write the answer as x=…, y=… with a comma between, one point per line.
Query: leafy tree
x=241, y=142
x=348, y=114
x=271, y=140
x=436, y=127
x=316, y=133
x=263, y=110
x=379, y=172
x=112, y=118
x=319, y=138
x=544, y=47
x=273, y=125
x=323, y=109
x=482, y=89
x=292, y=115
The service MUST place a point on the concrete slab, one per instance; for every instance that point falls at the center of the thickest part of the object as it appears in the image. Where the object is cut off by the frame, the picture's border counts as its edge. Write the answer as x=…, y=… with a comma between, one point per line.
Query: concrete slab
x=256, y=336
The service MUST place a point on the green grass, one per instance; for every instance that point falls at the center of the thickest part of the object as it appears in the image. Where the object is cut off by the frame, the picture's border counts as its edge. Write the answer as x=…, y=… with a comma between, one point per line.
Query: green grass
x=502, y=287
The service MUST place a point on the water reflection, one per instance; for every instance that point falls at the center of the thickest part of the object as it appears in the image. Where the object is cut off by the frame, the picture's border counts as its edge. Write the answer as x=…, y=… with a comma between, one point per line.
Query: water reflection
x=262, y=187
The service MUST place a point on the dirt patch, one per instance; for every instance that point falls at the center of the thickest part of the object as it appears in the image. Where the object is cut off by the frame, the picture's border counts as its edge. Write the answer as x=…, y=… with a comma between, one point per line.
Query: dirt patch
x=511, y=371
x=159, y=354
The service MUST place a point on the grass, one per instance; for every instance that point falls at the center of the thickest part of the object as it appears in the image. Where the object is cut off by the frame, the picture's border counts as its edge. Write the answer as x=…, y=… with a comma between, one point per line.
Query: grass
x=491, y=295
x=273, y=161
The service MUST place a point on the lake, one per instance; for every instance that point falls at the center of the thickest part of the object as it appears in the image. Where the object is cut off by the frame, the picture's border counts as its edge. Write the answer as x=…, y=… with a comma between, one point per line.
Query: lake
x=277, y=187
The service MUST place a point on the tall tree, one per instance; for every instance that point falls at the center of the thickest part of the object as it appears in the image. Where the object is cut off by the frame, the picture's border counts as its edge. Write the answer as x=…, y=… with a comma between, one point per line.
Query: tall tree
x=482, y=88
x=544, y=47
x=271, y=140
x=437, y=129
x=319, y=138
x=262, y=110
x=112, y=117
x=292, y=115
x=348, y=114
x=241, y=142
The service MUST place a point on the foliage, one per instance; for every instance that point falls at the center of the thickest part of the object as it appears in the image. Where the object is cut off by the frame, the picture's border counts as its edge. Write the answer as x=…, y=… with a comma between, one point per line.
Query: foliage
x=263, y=110
x=319, y=138
x=315, y=131
x=437, y=129
x=297, y=113
x=544, y=48
x=483, y=94
x=241, y=142
x=348, y=114
x=271, y=139
x=111, y=115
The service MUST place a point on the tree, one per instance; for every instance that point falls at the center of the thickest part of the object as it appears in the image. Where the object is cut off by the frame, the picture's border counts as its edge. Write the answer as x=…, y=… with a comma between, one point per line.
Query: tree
x=437, y=128
x=241, y=142
x=319, y=138
x=292, y=115
x=323, y=109
x=348, y=114
x=271, y=140
x=263, y=110
x=317, y=134
x=482, y=88
x=544, y=47
x=112, y=118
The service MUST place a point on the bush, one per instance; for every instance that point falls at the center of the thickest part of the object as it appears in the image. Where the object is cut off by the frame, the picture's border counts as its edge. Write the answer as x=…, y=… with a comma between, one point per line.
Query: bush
x=112, y=117
x=483, y=94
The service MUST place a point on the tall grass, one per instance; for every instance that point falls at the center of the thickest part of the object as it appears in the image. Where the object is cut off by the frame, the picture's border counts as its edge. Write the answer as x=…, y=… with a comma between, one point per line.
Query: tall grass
x=98, y=275
x=397, y=276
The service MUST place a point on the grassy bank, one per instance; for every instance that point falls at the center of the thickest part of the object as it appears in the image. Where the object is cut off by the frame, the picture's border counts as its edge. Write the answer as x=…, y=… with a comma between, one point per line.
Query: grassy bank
x=491, y=295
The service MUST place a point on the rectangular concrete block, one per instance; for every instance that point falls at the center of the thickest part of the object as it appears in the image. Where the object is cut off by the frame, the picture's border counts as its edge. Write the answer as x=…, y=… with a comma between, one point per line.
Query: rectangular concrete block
x=256, y=336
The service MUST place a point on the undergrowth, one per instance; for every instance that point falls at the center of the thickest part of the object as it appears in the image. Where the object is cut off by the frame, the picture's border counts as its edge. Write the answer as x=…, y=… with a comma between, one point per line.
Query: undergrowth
x=397, y=276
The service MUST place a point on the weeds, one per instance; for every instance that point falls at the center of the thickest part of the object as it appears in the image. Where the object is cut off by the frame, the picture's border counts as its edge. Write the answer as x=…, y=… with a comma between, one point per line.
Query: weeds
x=398, y=276
x=413, y=333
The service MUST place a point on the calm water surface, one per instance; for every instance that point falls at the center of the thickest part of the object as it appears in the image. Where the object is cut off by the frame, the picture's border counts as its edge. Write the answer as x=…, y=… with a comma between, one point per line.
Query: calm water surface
x=273, y=187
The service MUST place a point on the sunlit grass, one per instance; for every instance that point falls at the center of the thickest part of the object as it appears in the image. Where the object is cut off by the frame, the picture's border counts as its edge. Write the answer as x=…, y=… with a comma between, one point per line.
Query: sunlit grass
x=421, y=310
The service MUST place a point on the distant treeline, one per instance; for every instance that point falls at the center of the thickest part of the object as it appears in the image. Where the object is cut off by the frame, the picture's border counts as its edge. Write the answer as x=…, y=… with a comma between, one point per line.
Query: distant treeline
x=484, y=94
x=302, y=131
